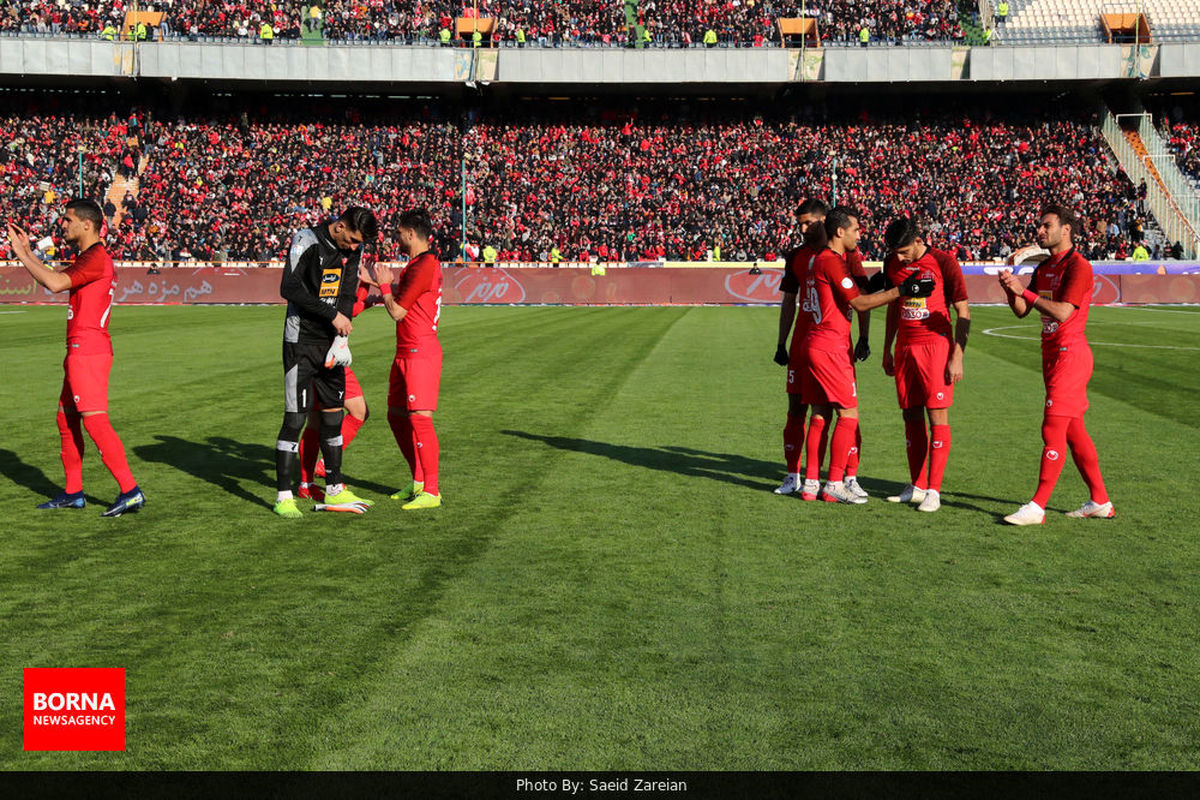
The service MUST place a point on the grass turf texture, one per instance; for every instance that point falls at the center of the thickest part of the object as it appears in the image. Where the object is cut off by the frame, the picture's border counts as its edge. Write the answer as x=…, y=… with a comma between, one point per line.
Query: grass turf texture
x=611, y=583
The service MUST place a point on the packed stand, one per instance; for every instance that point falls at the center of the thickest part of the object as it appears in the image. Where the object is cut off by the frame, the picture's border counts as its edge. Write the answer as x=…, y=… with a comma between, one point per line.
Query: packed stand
x=48, y=151
x=543, y=183
x=560, y=23
x=1185, y=141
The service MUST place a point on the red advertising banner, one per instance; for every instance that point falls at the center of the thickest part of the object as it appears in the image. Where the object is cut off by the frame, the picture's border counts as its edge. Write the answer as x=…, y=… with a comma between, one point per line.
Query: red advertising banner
x=552, y=286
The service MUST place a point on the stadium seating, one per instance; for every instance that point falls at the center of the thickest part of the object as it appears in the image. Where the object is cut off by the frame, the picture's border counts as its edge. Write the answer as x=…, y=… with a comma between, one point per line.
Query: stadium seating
x=1044, y=21
x=670, y=23
x=1184, y=138
x=669, y=181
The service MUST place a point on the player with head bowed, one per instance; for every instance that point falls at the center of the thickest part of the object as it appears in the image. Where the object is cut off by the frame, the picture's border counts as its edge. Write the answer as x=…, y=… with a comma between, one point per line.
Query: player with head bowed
x=83, y=402
x=415, y=303
x=928, y=358
x=829, y=383
x=1060, y=290
x=320, y=283
x=810, y=218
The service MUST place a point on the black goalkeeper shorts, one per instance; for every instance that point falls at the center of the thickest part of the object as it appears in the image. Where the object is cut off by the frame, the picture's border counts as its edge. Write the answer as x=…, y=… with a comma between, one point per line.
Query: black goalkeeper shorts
x=305, y=375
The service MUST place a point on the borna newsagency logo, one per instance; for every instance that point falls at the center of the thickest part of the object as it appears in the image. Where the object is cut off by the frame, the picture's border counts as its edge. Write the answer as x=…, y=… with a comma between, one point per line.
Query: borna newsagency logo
x=74, y=709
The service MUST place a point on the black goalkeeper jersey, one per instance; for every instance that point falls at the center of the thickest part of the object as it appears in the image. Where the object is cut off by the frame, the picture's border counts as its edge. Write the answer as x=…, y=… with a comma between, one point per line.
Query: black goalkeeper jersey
x=319, y=280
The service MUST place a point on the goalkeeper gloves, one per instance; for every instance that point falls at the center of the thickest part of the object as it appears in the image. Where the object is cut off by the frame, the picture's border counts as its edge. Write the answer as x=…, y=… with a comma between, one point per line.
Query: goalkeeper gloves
x=781, y=356
x=339, y=353
x=916, y=286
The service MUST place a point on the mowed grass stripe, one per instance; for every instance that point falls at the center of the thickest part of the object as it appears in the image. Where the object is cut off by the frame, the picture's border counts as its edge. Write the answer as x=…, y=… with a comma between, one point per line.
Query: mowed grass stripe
x=611, y=582
x=292, y=611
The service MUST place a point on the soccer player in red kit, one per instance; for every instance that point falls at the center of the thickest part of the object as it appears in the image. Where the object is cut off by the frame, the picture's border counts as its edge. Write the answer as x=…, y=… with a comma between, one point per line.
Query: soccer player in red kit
x=416, y=304
x=83, y=403
x=810, y=217
x=829, y=382
x=1061, y=291
x=929, y=356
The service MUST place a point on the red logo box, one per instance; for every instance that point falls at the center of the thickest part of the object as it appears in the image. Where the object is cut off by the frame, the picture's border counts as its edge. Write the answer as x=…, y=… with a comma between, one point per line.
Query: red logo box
x=74, y=709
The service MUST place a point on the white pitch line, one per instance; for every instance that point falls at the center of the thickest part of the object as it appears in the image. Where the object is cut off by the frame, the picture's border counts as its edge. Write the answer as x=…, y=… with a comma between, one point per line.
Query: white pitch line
x=12, y=312
x=992, y=332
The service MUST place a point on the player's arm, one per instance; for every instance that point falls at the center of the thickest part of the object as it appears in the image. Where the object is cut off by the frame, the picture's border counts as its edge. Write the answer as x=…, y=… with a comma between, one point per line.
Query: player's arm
x=787, y=316
x=18, y=241
x=890, y=327
x=415, y=281
x=348, y=296
x=862, y=350
x=962, y=330
x=1022, y=300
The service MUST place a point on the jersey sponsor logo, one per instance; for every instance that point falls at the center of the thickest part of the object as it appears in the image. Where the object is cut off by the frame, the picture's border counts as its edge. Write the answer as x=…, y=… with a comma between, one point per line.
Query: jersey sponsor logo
x=1049, y=325
x=331, y=283
x=914, y=308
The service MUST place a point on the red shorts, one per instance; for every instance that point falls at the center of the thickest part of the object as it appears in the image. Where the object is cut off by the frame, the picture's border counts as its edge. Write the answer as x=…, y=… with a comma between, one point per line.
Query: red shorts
x=414, y=382
x=85, y=382
x=353, y=389
x=921, y=375
x=829, y=380
x=1066, y=371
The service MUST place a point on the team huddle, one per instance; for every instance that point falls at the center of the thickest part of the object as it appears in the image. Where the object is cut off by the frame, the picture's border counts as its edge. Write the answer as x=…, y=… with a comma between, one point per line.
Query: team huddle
x=921, y=286
x=326, y=283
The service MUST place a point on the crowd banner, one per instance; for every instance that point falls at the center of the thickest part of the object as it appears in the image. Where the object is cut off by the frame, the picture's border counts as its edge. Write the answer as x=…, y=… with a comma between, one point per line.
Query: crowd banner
x=579, y=284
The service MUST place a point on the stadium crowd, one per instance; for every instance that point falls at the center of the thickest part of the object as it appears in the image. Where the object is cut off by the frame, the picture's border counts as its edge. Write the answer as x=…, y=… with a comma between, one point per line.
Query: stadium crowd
x=544, y=183
x=560, y=23
x=1185, y=140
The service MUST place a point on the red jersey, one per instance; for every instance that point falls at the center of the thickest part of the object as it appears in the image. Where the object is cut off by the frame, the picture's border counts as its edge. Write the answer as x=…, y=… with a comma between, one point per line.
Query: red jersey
x=828, y=291
x=795, y=275
x=420, y=292
x=1066, y=279
x=924, y=319
x=91, y=298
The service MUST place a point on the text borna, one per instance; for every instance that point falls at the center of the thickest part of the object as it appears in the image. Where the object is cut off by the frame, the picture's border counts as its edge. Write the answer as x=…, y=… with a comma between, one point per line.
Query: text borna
x=73, y=701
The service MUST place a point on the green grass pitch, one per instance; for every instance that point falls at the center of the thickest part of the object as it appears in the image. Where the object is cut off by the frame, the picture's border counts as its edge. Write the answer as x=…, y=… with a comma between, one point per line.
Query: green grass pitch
x=611, y=583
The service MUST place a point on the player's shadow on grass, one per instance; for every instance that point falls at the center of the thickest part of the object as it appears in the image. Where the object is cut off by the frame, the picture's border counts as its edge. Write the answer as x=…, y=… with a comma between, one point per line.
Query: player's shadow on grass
x=679, y=460
x=220, y=461
x=32, y=478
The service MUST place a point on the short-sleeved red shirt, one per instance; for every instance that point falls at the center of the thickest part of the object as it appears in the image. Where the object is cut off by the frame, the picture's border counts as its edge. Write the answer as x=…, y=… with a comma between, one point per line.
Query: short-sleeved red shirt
x=923, y=319
x=419, y=291
x=1065, y=279
x=89, y=307
x=794, y=277
x=828, y=291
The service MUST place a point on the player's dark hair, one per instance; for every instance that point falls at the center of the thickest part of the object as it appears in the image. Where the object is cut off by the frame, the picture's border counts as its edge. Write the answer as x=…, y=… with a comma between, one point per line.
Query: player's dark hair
x=88, y=210
x=838, y=217
x=901, y=232
x=813, y=206
x=417, y=220
x=361, y=220
x=1065, y=216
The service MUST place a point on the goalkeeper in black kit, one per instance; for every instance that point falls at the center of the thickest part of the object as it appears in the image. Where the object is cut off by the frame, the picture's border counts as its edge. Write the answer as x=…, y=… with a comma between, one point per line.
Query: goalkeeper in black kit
x=319, y=283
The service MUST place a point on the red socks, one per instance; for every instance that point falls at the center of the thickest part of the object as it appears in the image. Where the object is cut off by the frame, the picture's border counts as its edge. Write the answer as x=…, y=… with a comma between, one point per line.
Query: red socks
x=855, y=453
x=939, y=453
x=350, y=426
x=1054, y=453
x=916, y=445
x=843, y=440
x=112, y=452
x=1084, y=453
x=814, y=447
x=793, y=442
x=310, y=451
x=402, y=430
x=427, y=449
x=71, y=433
